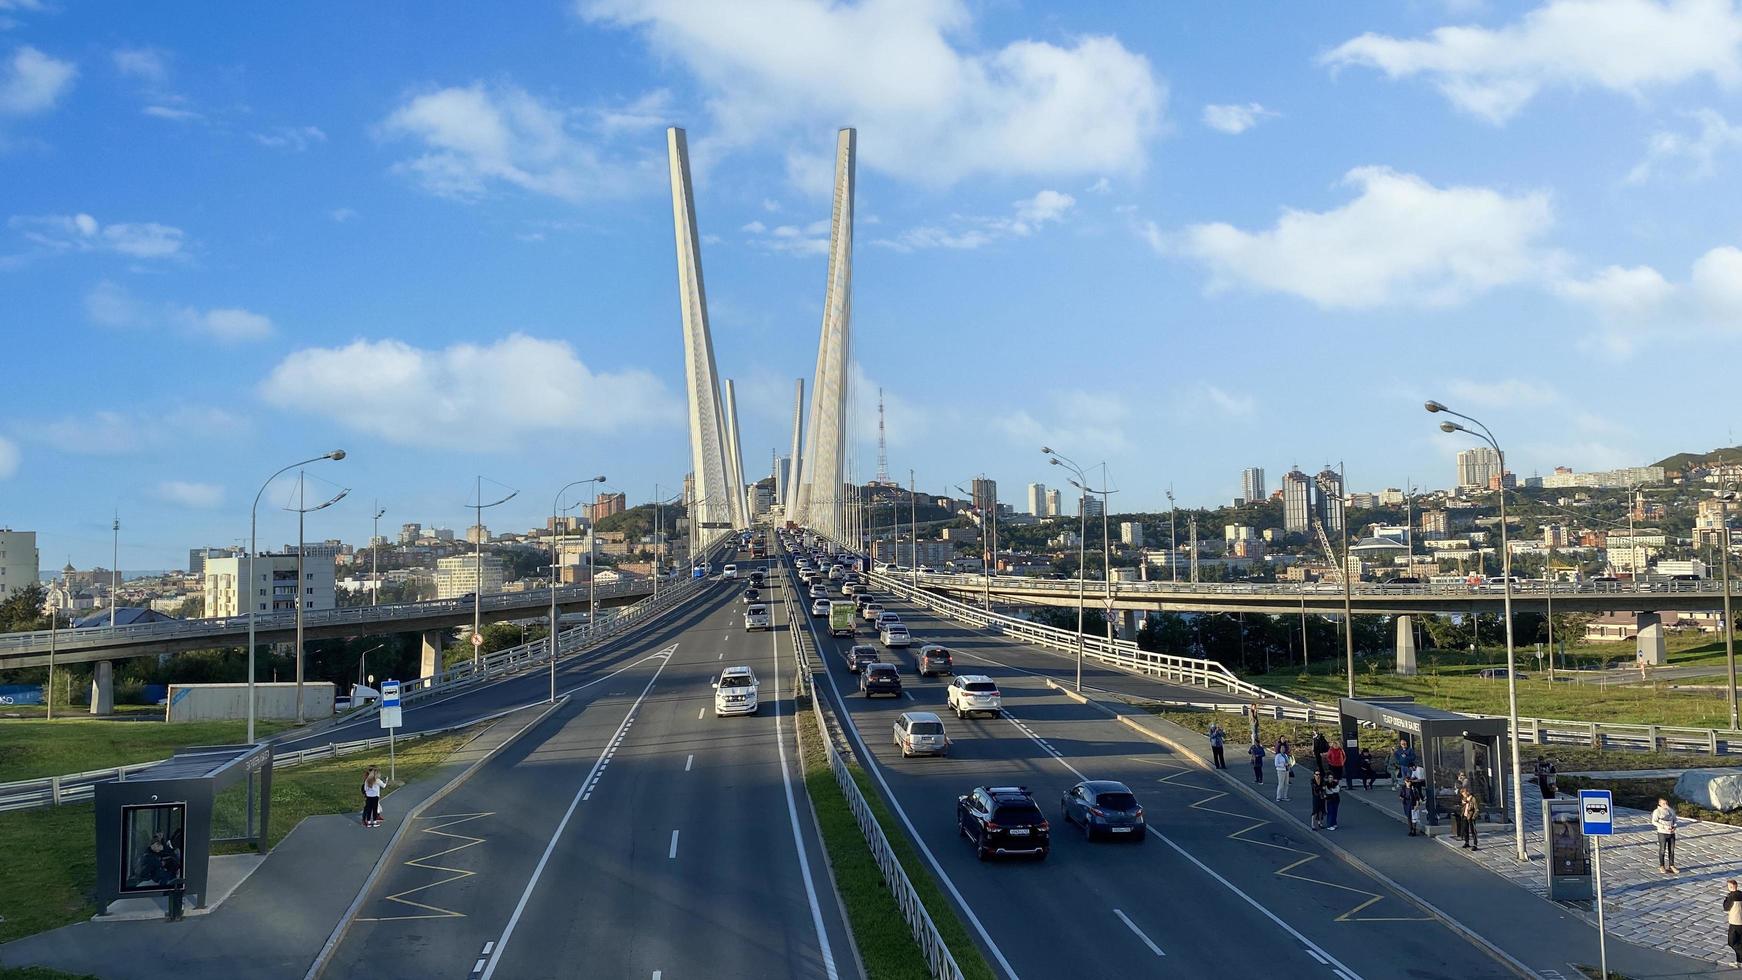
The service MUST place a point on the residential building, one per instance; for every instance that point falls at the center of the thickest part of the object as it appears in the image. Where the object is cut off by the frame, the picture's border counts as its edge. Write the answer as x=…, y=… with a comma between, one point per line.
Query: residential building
x=1436, y=522
x=1363, y=501
x=477, y=534
x=1631, y=476
x=566, y=524
x=1503, y=481
x=1477, y=466
x=1247, y=548
x=275, y=587
x=1131, y=534
x=328, y=550
x=457, y=575
x=985, y=495
x=1555, y=536
x=409, y=533
x=20, y=565
x=1089, y=505
x=1054, y=504
x=1232, y=533
x=1252, y=484
x=1037, y=499
x=1297, y=502
x=961, y=535
x=197, y=557
x=607, y=504
x=1328, y=504
x=442, y=534
x=1684, y=567
x=1392, y=497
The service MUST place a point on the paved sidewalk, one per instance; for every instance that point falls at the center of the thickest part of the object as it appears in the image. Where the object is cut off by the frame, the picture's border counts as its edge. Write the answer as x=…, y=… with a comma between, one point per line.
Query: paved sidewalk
x=1548, y=938
x=277, y=920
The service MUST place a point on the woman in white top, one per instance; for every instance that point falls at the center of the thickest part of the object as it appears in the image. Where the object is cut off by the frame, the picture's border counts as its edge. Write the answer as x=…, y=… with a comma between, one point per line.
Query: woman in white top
x=1663, y=820
x=372, y=786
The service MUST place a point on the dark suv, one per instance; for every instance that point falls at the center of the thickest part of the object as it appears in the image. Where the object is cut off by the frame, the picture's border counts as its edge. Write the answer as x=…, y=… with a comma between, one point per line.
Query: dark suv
x=877, y=679
x=859, y=655
x=935, y=660
x=1001, y=820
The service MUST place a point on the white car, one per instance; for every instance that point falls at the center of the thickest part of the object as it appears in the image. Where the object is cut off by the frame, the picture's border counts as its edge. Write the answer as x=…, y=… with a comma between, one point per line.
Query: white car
x=887, y=619
x=920, y=732
x=871, y=611
x=969, y=693
x=735, y=692
x=730, y=571
x=819, y=592
x=895, y=635
x=756, y=617
x=820, y=607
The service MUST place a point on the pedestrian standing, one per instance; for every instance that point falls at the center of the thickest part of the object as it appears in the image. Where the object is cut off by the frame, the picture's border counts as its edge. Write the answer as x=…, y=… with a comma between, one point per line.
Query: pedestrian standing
x=1406, y=796
x=1365, y=761
x=1469, y=808
x=1256, y=751
x=1333, y=797
x=1540, y=772
x=1217, y=736
x=1663, y=820
x=1733, y=916
x=1336, y=757
x=1318, y=788
x=1320, y=747
x=1284, y=772
x=1402, y=760
x=372, y=786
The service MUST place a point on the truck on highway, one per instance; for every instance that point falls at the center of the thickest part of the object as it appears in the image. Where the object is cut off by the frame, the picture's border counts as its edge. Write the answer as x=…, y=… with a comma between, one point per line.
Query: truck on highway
x=841, y=618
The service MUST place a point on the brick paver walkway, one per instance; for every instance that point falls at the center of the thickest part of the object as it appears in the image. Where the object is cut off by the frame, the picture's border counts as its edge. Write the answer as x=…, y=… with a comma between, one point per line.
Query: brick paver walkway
x=1680, y=913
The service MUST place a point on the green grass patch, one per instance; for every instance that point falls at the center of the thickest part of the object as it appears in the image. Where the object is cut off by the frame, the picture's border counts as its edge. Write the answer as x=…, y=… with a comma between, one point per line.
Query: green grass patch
x=34, y=749
x=1643, y=794
x=871, y=909
x=52, y=878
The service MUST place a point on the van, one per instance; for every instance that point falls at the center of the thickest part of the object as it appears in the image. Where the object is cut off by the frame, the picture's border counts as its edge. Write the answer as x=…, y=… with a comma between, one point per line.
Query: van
x=841, y=618
x=756, y=617
x=920, y=733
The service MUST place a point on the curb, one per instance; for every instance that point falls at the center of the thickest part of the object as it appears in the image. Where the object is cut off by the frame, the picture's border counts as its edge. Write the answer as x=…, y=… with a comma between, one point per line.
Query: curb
x=325, y=956
x=1504, y=958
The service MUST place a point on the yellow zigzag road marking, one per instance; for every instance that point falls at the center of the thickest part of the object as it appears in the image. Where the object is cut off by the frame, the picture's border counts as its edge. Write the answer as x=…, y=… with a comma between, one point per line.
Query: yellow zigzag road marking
x=1286, y=871
x=454, y=874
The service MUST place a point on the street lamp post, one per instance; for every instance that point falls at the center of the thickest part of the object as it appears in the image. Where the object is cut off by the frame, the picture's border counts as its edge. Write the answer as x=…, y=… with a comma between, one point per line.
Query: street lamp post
x=1081, y=483
x=913, y=527
x=115, y=573
x=1172, y=536
x=1729, y=628
x=302, y=512
x=254, y=549
x=1511, y=654
x=375, y=558
x=478, y=595
x=555, y=509
x=987, y=554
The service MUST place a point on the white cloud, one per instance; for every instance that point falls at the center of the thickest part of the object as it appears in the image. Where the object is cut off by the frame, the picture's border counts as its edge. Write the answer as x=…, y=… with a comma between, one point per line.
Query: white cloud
x=1228, y=403
x=111, y=304
x=293, y=138
x=1080, y=422
x=111, y=433
x=341, y=215
x=1027, y=216
x=8, y=458
x=1101, y=186
x=83, y=233
x=197, y=496
x=1636, y=304
x=466, y=395
x=172, y=113
x=1235, y=119
x=1624, y=46
x=477, y=137
x=1504, y=393
x=811, y=239
x=928, y=106
x=652, y=110
x=146, y=64
x=227, y=324
x=1696, y=156
x=32, y=82
x=1401, y=241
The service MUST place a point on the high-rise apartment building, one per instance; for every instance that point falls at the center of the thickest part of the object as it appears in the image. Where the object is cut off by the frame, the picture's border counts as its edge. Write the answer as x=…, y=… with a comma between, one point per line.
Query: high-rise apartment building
x=409, y=533
x=1131, y=534
x=1055, y=506
x=1297, y=501
x=275, y=587
x=19, y=561
x=1478, y=467
x=1089, y=505
x=457, y=575
x=1037, y=499
x=197, y=557
x=607, y=504
x=985, y=495
x=1328, y=504
x=1252, y=484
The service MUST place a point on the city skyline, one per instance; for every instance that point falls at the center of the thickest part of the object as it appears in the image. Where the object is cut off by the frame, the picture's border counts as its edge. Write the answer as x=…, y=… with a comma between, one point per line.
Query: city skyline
x=470, y=261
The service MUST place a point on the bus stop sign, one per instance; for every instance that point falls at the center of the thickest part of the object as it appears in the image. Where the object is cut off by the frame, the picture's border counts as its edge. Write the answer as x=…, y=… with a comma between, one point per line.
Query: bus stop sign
x=390, y=704
x=1596, y=812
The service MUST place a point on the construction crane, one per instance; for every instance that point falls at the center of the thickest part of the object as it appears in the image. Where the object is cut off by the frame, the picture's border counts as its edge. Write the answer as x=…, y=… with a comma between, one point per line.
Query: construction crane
x=1330, y=555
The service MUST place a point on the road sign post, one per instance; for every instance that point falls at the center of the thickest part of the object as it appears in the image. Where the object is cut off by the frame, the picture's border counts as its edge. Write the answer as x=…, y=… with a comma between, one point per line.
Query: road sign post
x=390, y=720
x=1597, y=817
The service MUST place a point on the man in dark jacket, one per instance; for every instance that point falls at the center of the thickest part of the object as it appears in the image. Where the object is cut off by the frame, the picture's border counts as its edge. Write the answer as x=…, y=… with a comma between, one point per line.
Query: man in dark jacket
x=1733, y=918
x=1406, y=795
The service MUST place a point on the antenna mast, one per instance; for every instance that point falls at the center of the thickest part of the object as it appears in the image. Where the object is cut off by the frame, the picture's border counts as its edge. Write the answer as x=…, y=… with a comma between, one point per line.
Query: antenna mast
x=882, y=444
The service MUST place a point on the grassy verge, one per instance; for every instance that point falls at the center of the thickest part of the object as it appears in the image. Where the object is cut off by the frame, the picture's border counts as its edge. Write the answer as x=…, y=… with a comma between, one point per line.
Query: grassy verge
x=40, y=973
x=871, y=909
x=1643, y=794
x=52, y=878
x=34, y=749
x=1567, y=758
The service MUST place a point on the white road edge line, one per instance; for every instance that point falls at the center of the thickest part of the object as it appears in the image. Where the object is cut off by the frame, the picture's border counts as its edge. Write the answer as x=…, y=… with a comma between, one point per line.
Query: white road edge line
x=673, y=852
x=895, y=804
x=1133, y=927
x=804, y=864
x=544, y=859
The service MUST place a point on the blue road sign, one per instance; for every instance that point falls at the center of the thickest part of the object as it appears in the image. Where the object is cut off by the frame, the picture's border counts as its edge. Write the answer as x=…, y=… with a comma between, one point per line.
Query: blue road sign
x=1597, y=812
x=389, y=694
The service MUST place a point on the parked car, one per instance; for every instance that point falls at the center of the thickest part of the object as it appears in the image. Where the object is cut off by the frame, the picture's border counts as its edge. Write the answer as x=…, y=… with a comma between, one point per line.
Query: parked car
x=735, y=692
x=879, y=678
x=1000, y=820
x=934, y=660
x=860, y=654
x=1103, y=806
x=970, y=693
x=920, y=733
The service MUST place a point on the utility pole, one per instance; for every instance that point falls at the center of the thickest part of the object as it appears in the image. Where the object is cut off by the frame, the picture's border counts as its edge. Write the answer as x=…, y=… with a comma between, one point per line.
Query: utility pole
x=115, y=572
x=375, y=558
x=1172, y=536
x=912, y=505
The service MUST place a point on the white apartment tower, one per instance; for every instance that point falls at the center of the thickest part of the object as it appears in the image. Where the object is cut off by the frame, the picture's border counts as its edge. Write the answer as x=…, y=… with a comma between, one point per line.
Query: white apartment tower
x=1055, y=506
x=19, y=561
x=1478, y=467
x=1037, y=499
x=1252, y=483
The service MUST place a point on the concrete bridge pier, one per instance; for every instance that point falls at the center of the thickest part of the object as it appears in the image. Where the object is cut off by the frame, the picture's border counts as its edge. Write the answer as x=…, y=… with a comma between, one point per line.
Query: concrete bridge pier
x=103, y=687
x=1405, y=646
x=1650, y=643
x=432, y=652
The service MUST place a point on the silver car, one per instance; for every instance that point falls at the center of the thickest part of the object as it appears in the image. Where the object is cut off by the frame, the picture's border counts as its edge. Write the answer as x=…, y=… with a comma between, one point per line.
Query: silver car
x=920, y=733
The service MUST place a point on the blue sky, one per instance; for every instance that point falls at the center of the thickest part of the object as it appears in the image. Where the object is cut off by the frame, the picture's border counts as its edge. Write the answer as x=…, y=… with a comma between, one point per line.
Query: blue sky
x=1182, y=238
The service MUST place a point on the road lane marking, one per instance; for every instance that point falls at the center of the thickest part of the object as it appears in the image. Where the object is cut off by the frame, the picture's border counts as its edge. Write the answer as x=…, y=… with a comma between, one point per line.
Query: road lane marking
x=804, y=864
x=477, y=966
x=673, y=852
x=454, y=874
x=562, y=825
x=1133, y=927
x=489, y=946
x=689, y=762
x=702, y=713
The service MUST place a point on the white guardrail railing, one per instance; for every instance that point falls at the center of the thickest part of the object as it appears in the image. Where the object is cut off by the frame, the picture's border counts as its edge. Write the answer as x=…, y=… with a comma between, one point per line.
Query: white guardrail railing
x=1210, y=674
x=938, y=957
x=46, y=791
x=1098, y=587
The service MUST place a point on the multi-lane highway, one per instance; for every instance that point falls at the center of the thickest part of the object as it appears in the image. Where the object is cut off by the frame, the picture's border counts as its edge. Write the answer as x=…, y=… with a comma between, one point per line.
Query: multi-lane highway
x=1220, y=888
x=629, y=834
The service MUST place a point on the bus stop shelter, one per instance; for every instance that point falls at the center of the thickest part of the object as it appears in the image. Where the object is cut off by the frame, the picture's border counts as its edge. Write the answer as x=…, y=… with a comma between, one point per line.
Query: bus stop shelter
x=1446, y=743
x=155, y=830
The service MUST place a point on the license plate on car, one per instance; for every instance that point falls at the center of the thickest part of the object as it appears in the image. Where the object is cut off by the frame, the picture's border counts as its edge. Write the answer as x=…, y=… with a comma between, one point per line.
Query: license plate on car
x=1019, y=832
x=1121, y=830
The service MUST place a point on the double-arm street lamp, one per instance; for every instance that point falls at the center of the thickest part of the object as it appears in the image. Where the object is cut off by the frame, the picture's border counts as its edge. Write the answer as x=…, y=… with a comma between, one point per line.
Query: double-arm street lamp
x=1511, y=656
x=1081, y=483
x=247, y=593
x=988, y=547
x=302, y=511
x=1729, y=496
x=555, y=511
x=478, y=506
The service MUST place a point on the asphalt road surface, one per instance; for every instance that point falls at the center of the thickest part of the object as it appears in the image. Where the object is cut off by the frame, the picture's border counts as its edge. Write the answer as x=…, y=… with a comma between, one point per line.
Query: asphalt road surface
x=629, y=834
x=1218, y=889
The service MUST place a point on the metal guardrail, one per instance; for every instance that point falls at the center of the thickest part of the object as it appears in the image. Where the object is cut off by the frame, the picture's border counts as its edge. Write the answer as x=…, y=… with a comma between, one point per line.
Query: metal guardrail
x=938, y=957
x=1098, y=587
x=1123, y=654
x=46, y=791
